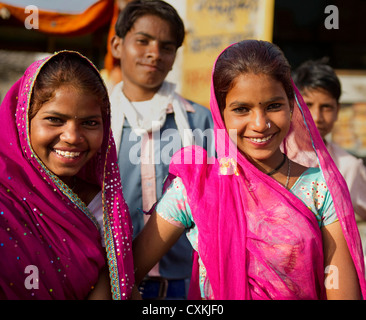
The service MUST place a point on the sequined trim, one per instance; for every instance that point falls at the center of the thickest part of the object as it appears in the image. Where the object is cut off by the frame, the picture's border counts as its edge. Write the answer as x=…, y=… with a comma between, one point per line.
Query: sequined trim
x=110, y=247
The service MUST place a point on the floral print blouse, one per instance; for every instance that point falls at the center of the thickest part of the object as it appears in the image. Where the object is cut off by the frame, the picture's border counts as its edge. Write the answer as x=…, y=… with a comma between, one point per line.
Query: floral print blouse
x=310, y=188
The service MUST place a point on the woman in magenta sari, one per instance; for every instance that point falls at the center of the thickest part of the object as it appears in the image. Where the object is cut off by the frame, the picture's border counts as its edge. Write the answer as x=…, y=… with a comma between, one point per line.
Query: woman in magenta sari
x=270, y=217
x=65, y=230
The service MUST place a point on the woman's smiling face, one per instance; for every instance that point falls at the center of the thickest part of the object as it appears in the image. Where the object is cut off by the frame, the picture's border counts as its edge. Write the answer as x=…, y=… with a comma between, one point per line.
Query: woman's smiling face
x=258, y=109
x=67, y=131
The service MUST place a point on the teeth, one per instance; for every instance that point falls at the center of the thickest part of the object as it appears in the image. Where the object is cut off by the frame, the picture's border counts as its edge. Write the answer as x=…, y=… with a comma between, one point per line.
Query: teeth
x=261, y=140
x=67, y=154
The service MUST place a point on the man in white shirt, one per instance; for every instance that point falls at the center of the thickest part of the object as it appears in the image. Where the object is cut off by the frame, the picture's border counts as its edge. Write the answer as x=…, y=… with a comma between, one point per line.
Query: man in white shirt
x=321, y=90
x=151, y=121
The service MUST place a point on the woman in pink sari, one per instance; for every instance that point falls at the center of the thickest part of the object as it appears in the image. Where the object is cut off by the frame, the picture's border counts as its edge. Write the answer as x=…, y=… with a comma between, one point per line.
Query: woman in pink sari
x=65, y=230
x=270, y=217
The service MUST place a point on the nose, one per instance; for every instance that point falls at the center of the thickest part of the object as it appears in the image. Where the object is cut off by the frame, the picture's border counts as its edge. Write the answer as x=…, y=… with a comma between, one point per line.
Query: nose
x=154, y=50
x=317, y=114
x=71, y=134
x=259, y=121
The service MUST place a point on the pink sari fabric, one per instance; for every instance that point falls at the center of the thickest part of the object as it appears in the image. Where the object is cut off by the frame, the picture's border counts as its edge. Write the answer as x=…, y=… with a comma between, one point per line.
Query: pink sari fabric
x=255, y=238
x=50, y=245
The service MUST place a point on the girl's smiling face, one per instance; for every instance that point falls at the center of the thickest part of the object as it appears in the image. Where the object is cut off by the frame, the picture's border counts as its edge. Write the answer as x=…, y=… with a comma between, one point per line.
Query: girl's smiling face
x=67, y=131
x=258, y=108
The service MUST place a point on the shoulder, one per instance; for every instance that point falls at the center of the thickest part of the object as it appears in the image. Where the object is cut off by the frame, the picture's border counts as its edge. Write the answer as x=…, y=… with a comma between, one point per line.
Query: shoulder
x=312, y=189
x=312, y=175
x=173, y=205
x=311, y=184
x=340, y=154
x=348, y=164
x=199, y=108
x=202, y=112
x=201, y=118
x=191, y=155
x=335, y=149
x=195, y=108
x=194, y=165
x=313, y=172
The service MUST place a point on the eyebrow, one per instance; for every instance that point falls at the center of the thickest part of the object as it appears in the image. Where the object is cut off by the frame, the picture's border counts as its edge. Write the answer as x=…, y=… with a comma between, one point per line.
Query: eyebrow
x=274, y=99
x=238, y=104
x=61, y=115
x=243, y=103
x=141, y=33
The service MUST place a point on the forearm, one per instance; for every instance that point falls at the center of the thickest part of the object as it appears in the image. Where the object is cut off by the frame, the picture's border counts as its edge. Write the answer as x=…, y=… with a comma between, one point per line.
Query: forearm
x=152, y=243
x=341, y=280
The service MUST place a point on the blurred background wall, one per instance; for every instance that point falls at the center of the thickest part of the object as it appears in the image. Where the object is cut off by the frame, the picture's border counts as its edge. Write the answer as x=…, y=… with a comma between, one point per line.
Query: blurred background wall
x=296, y=26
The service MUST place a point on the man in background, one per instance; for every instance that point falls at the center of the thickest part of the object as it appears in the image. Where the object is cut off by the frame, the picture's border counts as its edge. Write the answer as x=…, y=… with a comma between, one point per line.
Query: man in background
x=150, y=122
x=321, y=90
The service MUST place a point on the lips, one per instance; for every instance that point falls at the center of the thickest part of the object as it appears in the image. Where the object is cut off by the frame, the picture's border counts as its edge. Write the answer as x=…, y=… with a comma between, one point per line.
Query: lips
x=261, y=140
x=150, y=66
x=67, y=154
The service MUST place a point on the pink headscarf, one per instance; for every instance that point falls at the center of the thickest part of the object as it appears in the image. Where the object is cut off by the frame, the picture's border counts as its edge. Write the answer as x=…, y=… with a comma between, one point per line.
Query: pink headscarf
x=50, y=245
x=255, y=238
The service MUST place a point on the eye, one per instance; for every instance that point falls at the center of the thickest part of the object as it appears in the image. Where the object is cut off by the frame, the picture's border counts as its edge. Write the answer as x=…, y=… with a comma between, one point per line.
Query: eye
x=142, y=41
x=169, y=48
x=54, y=120
x=328, y=107
x=240, y=110
x=91, y=123
x=274, y=106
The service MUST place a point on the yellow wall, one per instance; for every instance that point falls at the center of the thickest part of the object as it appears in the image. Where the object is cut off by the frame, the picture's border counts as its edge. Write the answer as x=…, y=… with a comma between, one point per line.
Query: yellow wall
x=211, y=26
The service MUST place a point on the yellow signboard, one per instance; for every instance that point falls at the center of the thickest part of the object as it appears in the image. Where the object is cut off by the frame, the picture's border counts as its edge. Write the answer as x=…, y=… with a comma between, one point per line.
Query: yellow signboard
x=211, y=26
